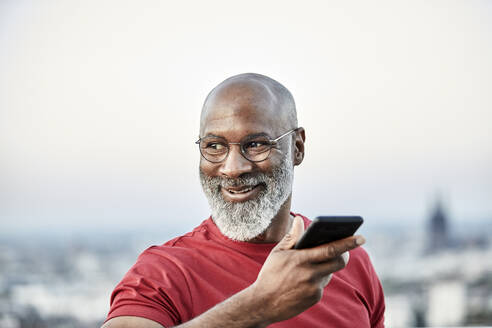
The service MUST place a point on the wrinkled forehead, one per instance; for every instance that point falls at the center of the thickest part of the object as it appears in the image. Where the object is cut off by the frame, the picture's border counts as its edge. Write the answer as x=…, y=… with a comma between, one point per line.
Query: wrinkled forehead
x=245, y=106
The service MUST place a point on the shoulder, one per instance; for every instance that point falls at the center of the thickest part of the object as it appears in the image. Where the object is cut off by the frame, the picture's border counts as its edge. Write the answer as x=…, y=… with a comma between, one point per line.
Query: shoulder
x=188, y=241
x=360, y=257
x=156, y=286
x=360, y=267
x=169, y=259
x=361, y=275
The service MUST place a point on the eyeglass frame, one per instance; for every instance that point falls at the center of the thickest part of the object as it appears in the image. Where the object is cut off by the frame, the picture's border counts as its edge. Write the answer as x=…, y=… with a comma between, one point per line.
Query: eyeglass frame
x=271, y=142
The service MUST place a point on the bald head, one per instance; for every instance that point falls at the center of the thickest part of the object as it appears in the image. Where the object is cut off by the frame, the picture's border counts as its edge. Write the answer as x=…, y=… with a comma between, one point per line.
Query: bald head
x=252, y=90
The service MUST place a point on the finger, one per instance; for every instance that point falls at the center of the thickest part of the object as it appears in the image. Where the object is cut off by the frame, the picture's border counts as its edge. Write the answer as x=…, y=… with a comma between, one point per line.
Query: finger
x=291, y=237
x=332, y=250
x=324, y=268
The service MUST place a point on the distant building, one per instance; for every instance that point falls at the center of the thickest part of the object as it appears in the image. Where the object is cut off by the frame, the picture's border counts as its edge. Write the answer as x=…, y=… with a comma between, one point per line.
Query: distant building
x=438, y=233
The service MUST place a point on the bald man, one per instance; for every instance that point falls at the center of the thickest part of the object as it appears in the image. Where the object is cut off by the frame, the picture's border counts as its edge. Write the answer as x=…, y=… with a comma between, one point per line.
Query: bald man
x=238, y=268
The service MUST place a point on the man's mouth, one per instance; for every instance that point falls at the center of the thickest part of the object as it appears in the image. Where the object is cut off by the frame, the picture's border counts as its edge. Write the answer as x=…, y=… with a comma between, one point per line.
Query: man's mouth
x=241, y=193
x=240, y=190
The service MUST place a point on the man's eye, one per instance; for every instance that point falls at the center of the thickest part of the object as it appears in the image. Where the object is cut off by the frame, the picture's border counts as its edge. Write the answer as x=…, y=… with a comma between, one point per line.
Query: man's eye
x=256, y=146
x=215, y=146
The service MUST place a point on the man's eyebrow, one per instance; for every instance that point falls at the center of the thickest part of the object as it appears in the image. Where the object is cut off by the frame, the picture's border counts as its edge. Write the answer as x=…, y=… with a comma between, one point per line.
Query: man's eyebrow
x=254, y=135
x=212, y=135
x=249, y=136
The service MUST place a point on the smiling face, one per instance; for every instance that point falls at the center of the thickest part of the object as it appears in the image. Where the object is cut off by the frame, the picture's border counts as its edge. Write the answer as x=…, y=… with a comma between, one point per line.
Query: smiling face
x=245, y=196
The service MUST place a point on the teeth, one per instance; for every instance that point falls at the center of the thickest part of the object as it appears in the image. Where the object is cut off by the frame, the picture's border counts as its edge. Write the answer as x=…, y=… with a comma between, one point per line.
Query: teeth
x=241, y=191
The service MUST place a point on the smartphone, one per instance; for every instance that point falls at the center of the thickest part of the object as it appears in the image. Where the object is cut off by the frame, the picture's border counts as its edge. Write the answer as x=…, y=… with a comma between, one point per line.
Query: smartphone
x=325, y=229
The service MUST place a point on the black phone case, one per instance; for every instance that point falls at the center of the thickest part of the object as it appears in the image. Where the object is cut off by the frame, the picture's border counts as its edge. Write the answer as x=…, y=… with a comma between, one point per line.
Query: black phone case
x=325, y=229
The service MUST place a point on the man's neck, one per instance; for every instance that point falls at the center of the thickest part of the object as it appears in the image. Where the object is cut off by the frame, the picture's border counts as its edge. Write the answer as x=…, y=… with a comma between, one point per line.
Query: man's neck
x=278, y=227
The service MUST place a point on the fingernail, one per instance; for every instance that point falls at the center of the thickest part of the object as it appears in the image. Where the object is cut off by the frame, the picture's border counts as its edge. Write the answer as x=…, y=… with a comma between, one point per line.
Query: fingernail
x=359, y=240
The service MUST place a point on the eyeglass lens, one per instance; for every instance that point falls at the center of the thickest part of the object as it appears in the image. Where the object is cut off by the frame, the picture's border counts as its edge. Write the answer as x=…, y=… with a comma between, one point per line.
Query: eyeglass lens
x=255, y=149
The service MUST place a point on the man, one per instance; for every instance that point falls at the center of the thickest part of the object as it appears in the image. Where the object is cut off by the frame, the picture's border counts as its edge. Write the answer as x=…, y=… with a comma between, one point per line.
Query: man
x=239, y=268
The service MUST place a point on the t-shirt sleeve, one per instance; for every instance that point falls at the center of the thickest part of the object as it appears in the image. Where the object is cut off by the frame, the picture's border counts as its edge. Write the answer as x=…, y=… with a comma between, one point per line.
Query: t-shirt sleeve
x=377, y=318
x=377, y=315
x=154, y=288
x=368, y=284
x=375, y=292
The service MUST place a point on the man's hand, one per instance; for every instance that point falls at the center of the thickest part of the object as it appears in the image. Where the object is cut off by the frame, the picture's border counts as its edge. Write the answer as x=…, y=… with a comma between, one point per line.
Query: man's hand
x=291, y=281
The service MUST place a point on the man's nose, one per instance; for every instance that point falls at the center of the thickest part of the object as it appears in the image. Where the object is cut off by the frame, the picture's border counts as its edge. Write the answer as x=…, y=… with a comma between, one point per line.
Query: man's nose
x=235, y=164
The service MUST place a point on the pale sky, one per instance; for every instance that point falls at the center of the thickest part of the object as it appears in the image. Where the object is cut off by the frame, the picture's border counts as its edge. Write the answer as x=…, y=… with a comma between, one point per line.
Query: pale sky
x=100, y=103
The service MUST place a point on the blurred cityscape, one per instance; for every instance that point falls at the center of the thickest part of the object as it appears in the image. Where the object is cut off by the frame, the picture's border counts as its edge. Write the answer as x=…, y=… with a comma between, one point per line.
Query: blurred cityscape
x=438, y=274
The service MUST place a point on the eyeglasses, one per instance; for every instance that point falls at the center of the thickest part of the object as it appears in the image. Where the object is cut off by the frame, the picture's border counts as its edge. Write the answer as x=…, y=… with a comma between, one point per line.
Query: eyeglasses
x=255, y=148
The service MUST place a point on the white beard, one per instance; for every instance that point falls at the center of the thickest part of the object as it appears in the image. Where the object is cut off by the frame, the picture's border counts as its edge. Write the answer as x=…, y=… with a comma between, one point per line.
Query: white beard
x=246, y=220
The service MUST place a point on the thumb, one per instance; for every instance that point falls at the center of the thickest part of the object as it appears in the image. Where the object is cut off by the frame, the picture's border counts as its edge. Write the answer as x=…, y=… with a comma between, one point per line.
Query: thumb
x=293, y=235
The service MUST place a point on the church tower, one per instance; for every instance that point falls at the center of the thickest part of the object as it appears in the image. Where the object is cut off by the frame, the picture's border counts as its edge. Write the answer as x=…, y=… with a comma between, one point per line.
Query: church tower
x=438, y=232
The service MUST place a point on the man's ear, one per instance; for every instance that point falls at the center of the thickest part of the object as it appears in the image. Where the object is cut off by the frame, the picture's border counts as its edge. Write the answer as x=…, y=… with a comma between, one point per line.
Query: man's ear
x=299, y=146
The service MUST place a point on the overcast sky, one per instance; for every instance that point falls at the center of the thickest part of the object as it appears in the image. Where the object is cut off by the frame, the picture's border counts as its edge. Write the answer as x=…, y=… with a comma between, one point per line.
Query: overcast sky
x=100, y=103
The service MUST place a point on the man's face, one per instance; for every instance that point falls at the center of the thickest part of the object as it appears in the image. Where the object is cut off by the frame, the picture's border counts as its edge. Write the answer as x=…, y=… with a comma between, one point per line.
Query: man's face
x=245, y=196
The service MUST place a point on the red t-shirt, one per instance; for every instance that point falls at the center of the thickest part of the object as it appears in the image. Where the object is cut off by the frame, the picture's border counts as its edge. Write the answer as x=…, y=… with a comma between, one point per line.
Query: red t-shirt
x=188, y=275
